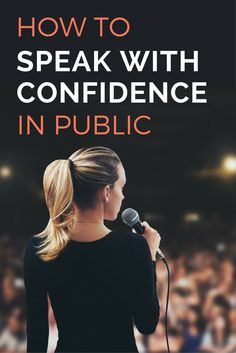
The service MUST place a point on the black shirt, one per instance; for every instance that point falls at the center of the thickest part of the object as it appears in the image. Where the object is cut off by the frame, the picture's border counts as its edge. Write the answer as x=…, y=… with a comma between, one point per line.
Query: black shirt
x=96, y=290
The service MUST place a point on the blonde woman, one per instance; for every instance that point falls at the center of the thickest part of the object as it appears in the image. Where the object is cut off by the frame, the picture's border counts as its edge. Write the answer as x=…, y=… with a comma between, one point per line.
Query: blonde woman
x=99, y=281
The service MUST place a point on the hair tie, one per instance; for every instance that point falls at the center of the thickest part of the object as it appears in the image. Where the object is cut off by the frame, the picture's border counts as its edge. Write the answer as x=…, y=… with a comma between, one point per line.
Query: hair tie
x=71, y=163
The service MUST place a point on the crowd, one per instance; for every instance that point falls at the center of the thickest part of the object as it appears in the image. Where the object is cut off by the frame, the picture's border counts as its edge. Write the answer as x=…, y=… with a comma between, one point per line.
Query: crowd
x=202, y=305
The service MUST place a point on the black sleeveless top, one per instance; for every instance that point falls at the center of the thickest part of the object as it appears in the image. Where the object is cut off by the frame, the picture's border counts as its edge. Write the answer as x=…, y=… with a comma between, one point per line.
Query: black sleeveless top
x=97, y=289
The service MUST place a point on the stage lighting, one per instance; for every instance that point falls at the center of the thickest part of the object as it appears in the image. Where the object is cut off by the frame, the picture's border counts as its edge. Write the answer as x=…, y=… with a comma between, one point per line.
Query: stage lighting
x=5, y=172
x=191, y=217
x=229, y=164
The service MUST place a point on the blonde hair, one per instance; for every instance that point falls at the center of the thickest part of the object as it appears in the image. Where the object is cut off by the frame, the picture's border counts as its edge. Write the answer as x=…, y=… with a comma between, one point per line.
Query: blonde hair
x=64, y=183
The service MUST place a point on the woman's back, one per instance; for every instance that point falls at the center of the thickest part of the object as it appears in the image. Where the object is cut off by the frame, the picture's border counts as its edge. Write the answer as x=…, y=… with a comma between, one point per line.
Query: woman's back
x=96, y=289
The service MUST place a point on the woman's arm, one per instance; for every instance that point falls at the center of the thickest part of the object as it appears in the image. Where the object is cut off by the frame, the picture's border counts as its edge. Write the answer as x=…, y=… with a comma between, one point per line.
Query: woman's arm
x=145, y=304
x=36, y=302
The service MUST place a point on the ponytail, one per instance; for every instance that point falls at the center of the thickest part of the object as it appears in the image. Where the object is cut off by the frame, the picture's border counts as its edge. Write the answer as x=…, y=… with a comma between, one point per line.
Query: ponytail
x=58, y=189
x=75, y=180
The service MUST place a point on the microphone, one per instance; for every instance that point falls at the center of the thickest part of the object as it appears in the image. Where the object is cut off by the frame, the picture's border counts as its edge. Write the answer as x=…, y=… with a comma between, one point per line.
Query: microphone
x=131, y=218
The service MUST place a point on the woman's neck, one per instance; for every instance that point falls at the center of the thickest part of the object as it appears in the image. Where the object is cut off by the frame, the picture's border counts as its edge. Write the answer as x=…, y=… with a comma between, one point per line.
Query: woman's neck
x=89, y=225
x=93, y=215
x=88, y=231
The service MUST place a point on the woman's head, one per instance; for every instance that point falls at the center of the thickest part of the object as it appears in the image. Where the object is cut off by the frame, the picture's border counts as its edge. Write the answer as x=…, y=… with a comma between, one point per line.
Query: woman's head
x=97, y=176
x=94, y=178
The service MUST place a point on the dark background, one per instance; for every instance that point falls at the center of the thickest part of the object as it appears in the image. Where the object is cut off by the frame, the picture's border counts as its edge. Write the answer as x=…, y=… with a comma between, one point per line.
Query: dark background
x=164, y=169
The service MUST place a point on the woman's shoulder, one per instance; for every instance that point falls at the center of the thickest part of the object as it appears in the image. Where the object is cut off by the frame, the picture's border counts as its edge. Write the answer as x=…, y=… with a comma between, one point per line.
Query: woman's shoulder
x=32, y=264
x=31, y=246
x=137, y=246
x=32, y=241
x=135, y=240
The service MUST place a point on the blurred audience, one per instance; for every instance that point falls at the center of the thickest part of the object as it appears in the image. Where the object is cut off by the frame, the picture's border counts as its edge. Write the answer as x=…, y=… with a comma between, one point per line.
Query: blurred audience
x=202, y=305
x=13, y=337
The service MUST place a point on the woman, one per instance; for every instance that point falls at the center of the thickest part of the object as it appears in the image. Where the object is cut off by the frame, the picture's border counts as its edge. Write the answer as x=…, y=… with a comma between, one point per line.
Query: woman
x=98, y=280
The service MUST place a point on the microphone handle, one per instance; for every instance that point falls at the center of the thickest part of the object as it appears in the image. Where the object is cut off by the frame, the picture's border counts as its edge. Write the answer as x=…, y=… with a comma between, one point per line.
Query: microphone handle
x=140, y=230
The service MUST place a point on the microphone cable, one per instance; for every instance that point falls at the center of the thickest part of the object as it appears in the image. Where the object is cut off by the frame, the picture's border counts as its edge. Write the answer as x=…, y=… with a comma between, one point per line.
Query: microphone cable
x=162, y=257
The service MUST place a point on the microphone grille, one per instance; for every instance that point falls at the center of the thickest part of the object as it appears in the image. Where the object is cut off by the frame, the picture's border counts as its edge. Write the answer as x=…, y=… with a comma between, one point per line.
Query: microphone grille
x=130, y=216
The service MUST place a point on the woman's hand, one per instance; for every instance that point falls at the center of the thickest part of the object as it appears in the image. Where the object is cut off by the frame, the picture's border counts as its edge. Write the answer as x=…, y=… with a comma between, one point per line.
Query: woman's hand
x=153, y=238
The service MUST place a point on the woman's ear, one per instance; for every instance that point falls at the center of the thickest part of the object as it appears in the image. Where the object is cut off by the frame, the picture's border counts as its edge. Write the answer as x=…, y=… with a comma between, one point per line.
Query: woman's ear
x=107, y=192
x=104, y=193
